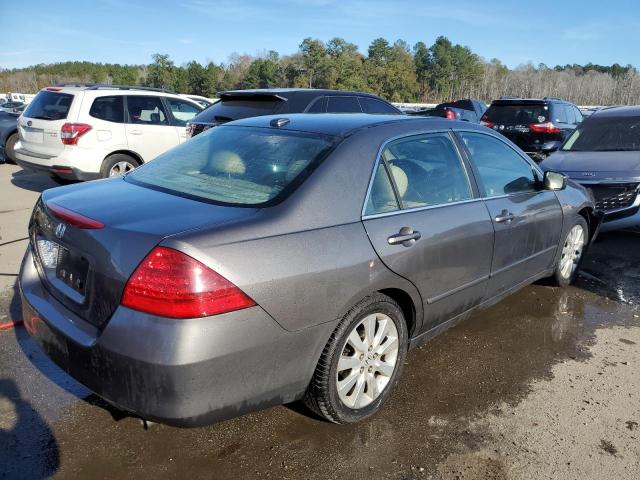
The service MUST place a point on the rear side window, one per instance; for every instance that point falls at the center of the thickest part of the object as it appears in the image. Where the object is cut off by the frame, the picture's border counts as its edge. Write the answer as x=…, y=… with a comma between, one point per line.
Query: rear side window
x=318, y=106
x=235, y=165
x=343, y=105
x=235, y=108
x=373, y=105
x=559, y=114
x=426, y=171
x=146, y=110
x=49, y=106
x=110, y=109
x=501, y=169
x=382, y=198
x=522, y=114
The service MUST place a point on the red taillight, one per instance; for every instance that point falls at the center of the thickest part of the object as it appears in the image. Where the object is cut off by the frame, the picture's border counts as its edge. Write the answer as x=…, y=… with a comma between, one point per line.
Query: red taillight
x=487, y=124
x=71, y=132
x=53, y=89
x=449, y=114
x=73, y=218
x=172, y=284
x=546, y=127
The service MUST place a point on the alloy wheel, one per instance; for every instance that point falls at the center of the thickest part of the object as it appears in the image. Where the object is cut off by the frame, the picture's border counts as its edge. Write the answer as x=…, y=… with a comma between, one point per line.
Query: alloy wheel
x=572, y=251
x=120, y=168
x=367, y=361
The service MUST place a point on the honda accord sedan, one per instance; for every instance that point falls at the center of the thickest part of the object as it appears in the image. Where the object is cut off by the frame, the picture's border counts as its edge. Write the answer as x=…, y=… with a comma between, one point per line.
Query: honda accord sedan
x=279, y=259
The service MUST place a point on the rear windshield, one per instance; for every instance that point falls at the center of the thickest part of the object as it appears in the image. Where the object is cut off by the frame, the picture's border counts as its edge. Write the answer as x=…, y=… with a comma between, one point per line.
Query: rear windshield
x=599, y=134
x=516, y=114
x=235, y=165
x=49, y=106
x=235, y=109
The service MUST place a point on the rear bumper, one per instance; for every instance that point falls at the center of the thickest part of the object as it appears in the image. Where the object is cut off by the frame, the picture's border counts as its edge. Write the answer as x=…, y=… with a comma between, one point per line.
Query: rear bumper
x=64, y=172
x=71, y=164
x=180, y=372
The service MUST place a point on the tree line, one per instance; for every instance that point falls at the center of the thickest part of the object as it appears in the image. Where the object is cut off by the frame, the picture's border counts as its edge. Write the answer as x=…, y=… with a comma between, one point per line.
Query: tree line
x=396, y=71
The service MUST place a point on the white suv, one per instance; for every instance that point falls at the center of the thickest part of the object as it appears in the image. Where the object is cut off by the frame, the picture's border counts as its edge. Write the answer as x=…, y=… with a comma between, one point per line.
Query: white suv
x=83, y=132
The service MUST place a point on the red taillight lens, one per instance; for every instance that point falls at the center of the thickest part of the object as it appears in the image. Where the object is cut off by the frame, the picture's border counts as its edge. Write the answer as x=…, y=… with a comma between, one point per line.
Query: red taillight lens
x=73, y=218
x=71, y=132
x=487, y=124
x=546, y=127
x=172, y=284
x=449, y=114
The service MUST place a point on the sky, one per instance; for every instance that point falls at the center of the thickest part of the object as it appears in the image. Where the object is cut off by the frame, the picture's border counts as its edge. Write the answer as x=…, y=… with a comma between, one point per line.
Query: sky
x=130, y=31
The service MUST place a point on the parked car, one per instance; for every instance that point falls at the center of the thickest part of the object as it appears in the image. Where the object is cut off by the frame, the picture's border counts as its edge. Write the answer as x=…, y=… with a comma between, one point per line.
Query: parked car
x=204, y=102
x=10, y=106
x=468, y=110
x=83, y=132
x=603, y=154
x=537, y=126
x=8, y=136
x=237, y=104
x=278, y=258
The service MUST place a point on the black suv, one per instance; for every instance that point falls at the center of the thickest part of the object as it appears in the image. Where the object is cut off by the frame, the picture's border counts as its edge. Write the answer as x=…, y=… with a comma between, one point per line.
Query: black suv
x=537, y=125
x=237, y=104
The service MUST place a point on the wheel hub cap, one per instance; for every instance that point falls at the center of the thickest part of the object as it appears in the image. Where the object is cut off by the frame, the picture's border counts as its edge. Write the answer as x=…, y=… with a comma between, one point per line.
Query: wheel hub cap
x=367, y=361
x=572, y=251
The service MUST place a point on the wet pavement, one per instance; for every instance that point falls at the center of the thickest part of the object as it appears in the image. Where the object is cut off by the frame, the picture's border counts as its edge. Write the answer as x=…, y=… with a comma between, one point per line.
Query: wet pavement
x=50, y=425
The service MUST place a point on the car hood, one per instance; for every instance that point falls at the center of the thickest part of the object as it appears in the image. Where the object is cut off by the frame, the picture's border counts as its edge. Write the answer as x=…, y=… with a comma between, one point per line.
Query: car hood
x=595, y=165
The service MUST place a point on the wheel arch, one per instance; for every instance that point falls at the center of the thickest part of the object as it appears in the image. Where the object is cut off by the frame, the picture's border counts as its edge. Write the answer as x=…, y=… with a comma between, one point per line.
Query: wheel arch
x=130, y=153
x=407, y=306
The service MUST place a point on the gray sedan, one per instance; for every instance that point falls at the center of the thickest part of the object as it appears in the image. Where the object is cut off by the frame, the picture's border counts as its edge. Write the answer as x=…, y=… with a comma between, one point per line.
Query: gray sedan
x=276, y=259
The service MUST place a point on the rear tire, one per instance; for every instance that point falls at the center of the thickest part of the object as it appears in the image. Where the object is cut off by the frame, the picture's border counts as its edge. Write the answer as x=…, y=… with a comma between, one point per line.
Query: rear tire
x=573, y=246
x=118, y=164
x=9, y=148
x=361, y=362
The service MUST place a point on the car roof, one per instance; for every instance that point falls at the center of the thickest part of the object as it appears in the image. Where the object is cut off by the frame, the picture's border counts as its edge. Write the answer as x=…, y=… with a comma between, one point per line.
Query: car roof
x=343, y=124
x=281, y=91
x=528, y=101
x=625, y=111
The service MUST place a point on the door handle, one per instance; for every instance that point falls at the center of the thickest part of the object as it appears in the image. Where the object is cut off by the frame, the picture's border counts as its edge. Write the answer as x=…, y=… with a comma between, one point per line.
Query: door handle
x=406, y=237
x=505, y=216
x=135, y=132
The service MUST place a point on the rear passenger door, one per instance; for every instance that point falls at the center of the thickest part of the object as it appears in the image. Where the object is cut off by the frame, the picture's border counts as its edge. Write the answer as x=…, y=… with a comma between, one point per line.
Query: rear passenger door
x=427, y=224
x=108, y=122
x=527, y=219
x=149, y=130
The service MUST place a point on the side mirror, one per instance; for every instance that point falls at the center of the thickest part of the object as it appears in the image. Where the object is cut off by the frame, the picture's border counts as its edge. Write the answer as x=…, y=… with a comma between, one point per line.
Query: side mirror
x=555, y=180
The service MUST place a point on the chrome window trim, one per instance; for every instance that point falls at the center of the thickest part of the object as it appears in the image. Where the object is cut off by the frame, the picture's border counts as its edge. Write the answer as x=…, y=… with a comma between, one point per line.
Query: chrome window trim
x=448, y=132
x=419, y=209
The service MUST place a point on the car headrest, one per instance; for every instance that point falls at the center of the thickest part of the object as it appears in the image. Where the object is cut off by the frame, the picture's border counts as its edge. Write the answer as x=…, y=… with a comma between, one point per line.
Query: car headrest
x=295, y=168
x=226, y=161
x=401, y=179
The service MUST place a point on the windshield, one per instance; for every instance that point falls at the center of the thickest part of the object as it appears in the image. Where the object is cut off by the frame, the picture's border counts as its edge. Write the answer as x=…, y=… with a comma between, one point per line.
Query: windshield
x=235, y=165
x=599, y=134
x=517, y=114
x=49, y=106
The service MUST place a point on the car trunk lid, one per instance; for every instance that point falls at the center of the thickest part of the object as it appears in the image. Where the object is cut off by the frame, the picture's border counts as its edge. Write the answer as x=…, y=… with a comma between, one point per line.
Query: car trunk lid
x=92, y=265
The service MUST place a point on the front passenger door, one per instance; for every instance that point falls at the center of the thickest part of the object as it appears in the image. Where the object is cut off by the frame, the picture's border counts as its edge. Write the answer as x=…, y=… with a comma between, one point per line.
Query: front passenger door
x=527, y=219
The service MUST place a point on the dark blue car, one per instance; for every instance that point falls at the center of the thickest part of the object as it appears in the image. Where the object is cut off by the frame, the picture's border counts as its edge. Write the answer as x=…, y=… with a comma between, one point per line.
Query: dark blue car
x=8, y=135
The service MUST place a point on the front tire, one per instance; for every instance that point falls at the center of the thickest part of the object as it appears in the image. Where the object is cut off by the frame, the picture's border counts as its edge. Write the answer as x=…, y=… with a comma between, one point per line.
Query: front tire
x=361, y=362
x=9, y=147
x=573, y=247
